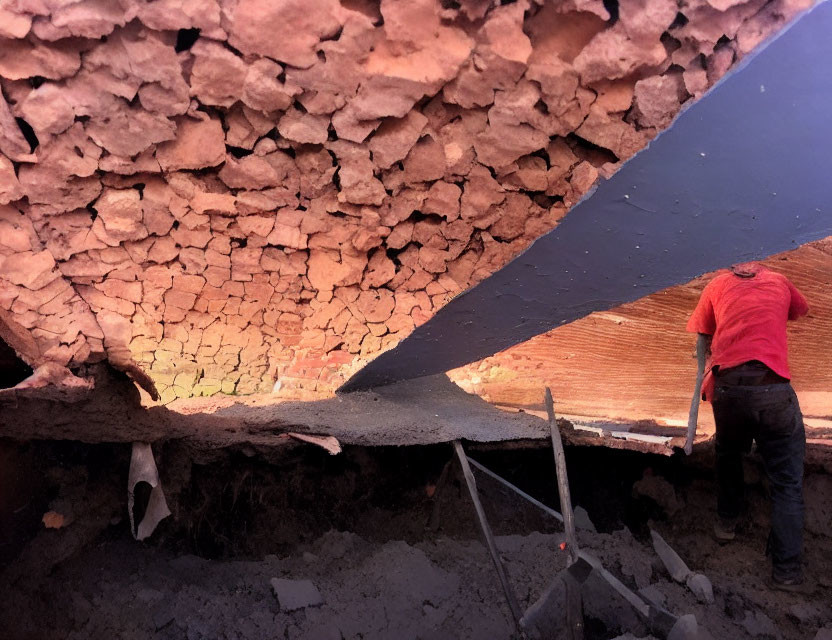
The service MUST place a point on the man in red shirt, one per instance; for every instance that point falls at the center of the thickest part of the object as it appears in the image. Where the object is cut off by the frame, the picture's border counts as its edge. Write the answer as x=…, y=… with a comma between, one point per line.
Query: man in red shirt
x=745, y=311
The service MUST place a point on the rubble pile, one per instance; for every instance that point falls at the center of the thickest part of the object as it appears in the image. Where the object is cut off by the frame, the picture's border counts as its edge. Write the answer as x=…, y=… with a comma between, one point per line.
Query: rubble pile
x=237, y=192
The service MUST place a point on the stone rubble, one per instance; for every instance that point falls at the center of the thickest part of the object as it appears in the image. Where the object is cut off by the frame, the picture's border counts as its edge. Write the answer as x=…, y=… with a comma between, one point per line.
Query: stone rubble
x=234, y=192
x=296, y=594
x=675, y=566
x=698, y=583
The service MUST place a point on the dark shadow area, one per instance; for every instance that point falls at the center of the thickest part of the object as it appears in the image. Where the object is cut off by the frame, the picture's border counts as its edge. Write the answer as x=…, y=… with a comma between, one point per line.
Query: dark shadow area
x=12, y=368
x=247, y=506
x=28, y=133
x=185, y=39
x=141, y=498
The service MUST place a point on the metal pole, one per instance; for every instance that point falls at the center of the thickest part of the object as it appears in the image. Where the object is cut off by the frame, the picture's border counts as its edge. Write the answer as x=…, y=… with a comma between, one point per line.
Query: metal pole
x=637, y=603
x=574, y=605
x=517, y=490
x=489, y=536
x=563, y=480
x=693, y=415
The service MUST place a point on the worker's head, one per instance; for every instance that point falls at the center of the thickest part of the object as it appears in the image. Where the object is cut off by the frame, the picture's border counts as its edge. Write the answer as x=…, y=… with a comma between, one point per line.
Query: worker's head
x=746, y=269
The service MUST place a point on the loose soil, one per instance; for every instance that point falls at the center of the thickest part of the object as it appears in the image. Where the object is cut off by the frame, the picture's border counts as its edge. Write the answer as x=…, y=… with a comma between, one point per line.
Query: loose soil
x=392, y=554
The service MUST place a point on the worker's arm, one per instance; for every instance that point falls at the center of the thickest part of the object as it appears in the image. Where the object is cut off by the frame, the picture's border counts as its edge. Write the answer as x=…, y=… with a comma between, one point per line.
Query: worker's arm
x=702, y=322
x=703, y=318
x=797, y=305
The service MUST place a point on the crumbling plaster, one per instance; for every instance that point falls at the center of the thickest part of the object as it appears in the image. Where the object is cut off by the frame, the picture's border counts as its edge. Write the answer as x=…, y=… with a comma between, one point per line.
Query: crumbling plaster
x=237, y=192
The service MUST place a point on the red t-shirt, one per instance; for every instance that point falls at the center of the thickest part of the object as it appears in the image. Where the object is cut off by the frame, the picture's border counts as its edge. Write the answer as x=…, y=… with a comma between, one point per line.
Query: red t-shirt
x=747, y=319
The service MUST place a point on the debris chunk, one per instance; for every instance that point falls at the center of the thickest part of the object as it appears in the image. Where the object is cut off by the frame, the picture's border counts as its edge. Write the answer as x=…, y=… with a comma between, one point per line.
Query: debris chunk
x=805, y=612
x=687, y=628
x=55, y=520
x=758, y=624
x=143, y=469
x=659, y=490
x=296, y=594
x=583, y=521
x=329, y=443
x=701, y=587
x=675, y=566
x=652, y=594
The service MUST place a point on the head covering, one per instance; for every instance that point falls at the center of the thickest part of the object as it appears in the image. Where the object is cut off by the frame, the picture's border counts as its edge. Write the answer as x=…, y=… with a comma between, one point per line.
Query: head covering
x=746, y=269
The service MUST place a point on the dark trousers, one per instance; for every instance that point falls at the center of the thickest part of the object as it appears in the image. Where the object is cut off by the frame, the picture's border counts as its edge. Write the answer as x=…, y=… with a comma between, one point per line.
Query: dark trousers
x=747, y=408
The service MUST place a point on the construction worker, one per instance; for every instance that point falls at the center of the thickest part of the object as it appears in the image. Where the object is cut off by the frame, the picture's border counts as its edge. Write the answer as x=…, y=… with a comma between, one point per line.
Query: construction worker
x=743, y=312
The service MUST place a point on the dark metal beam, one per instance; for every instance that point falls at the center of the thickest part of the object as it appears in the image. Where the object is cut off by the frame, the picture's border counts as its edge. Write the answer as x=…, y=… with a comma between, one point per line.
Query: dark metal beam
x=742, y=174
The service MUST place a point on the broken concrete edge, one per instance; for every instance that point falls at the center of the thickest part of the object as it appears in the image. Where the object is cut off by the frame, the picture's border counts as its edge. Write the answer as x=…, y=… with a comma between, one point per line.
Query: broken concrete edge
x=204, y=431
x=422, y=412
x=327, y=443
x=417, y=412
x=53, y=381
x=266, y=424
x=263, y=427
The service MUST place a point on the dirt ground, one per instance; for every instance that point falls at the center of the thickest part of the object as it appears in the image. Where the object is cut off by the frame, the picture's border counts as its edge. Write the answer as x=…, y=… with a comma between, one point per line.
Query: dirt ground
x=390, y=554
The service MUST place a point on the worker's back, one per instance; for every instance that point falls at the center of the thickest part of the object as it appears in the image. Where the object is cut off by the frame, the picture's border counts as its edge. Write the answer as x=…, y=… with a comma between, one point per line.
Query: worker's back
x=747, y=315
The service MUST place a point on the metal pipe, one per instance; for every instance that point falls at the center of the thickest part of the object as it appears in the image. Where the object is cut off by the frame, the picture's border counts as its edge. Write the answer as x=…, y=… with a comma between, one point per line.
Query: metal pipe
x=489, y=536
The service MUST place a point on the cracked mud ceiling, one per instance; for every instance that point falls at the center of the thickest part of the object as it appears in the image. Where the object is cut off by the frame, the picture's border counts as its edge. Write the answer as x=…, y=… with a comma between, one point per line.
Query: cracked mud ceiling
x=219, y=195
